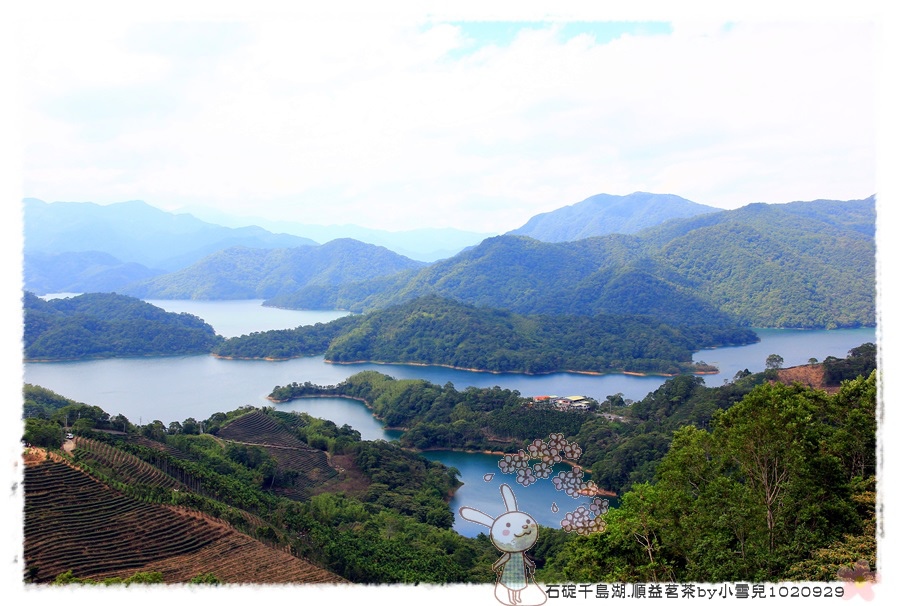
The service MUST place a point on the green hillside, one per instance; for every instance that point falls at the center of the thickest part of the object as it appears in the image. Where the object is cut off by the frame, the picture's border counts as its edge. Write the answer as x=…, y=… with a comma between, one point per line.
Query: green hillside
x=779, y=478
x=433, y=330
x=801, y=265
x=305, y=502
x=798, y=265
x=109, y=325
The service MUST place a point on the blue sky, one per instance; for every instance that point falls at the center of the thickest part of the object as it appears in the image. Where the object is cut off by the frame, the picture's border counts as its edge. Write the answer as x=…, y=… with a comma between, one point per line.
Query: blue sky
x=478, y=34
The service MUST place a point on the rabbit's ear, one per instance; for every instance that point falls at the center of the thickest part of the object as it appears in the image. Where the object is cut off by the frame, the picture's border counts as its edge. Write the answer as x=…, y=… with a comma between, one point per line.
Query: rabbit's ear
x=479, y=517
x=509, y=497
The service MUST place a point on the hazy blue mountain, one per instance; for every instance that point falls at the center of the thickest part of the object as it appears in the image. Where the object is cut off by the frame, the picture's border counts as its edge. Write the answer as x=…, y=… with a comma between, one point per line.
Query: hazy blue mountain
x=137, y=232
x=255, y=273
x=89, y=271
x=426, y=244
x=804, y=264
x=608, y=214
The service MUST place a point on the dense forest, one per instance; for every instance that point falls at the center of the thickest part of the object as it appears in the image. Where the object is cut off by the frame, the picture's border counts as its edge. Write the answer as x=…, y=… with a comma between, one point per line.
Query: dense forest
x=107, y=325
x=432, y=330
x=781, y=487
x=799, y=265
x=755, y=480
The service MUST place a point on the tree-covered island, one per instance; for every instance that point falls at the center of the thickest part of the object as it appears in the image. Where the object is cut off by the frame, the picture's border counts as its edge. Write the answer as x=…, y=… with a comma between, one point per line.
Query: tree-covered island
x=105, y=325
x=437, y=331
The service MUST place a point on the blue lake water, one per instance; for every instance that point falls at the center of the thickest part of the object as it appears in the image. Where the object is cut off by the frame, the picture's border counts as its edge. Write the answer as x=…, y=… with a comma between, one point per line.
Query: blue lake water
x=178, y=387
x=236, y=318
x=481, y=490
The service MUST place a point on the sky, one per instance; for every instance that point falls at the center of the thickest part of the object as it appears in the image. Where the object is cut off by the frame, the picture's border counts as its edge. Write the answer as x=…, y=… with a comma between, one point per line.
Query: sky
x=409, y=119
x=398, y=115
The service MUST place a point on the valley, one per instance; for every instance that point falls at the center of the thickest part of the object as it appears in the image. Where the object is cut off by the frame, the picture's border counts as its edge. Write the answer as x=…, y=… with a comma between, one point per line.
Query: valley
x=413, y=368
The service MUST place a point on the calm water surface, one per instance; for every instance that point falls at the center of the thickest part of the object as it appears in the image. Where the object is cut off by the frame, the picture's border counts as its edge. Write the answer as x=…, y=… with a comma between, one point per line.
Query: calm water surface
x=236, y=318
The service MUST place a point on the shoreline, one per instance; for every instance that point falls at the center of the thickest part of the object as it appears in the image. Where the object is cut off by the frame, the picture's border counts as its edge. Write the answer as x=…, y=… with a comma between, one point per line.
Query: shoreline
x=338, y=395
x=596, y=373
x=599, y=491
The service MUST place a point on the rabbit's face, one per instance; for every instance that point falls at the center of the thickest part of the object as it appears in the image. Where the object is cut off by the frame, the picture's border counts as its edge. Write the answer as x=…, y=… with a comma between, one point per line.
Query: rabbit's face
x=514, y=531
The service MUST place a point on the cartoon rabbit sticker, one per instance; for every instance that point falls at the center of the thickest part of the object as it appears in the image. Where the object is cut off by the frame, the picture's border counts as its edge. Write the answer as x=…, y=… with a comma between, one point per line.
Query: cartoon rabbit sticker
x=513, y=533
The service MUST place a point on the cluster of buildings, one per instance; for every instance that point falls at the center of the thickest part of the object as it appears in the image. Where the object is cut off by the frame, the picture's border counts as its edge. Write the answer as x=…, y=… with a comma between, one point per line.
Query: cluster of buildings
x=572, y=403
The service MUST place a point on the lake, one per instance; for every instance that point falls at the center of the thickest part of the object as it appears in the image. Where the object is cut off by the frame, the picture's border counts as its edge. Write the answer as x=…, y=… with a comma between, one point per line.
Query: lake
x=175, y=388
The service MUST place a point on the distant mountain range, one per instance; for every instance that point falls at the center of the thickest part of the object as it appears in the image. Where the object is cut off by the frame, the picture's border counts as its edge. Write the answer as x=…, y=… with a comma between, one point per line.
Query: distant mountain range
x=607, y=214
x=254, y=273
x=135, y=232
x=425, y=244
x=805, y=264
x=77, y=272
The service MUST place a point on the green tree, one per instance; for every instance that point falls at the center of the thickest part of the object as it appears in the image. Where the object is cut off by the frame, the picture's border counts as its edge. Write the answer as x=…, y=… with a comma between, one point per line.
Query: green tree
x=155, y=431
x=206, y=578
x=773, y=441
x=41, y=432
x=774, y=362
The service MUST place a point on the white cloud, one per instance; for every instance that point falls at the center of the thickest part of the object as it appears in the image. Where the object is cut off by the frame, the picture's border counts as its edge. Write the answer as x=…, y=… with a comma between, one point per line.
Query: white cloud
x=345, y=120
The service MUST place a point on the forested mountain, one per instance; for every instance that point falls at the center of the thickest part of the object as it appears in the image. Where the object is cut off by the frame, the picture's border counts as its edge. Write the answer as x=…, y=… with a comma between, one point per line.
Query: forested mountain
x=255, y=273
x=803, y=265
x=136, y=232
x=78, y=272
x=608, y=214
x=107, y=325
x=432, y=330
x=799, y=265
x=592, y=276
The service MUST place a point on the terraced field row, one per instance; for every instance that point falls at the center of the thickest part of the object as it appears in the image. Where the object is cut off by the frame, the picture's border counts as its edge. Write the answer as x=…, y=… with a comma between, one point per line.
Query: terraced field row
x=73, y=522
x=312, y=466
x=239, y=559
x=289, y=452
x=257, y=427
x=121, y=466
x=165, y=448
x=89, y=528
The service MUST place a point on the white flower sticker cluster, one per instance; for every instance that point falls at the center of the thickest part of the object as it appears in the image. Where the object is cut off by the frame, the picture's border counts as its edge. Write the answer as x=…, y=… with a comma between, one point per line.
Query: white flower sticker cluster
x=556, y=449
x=586, y=520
